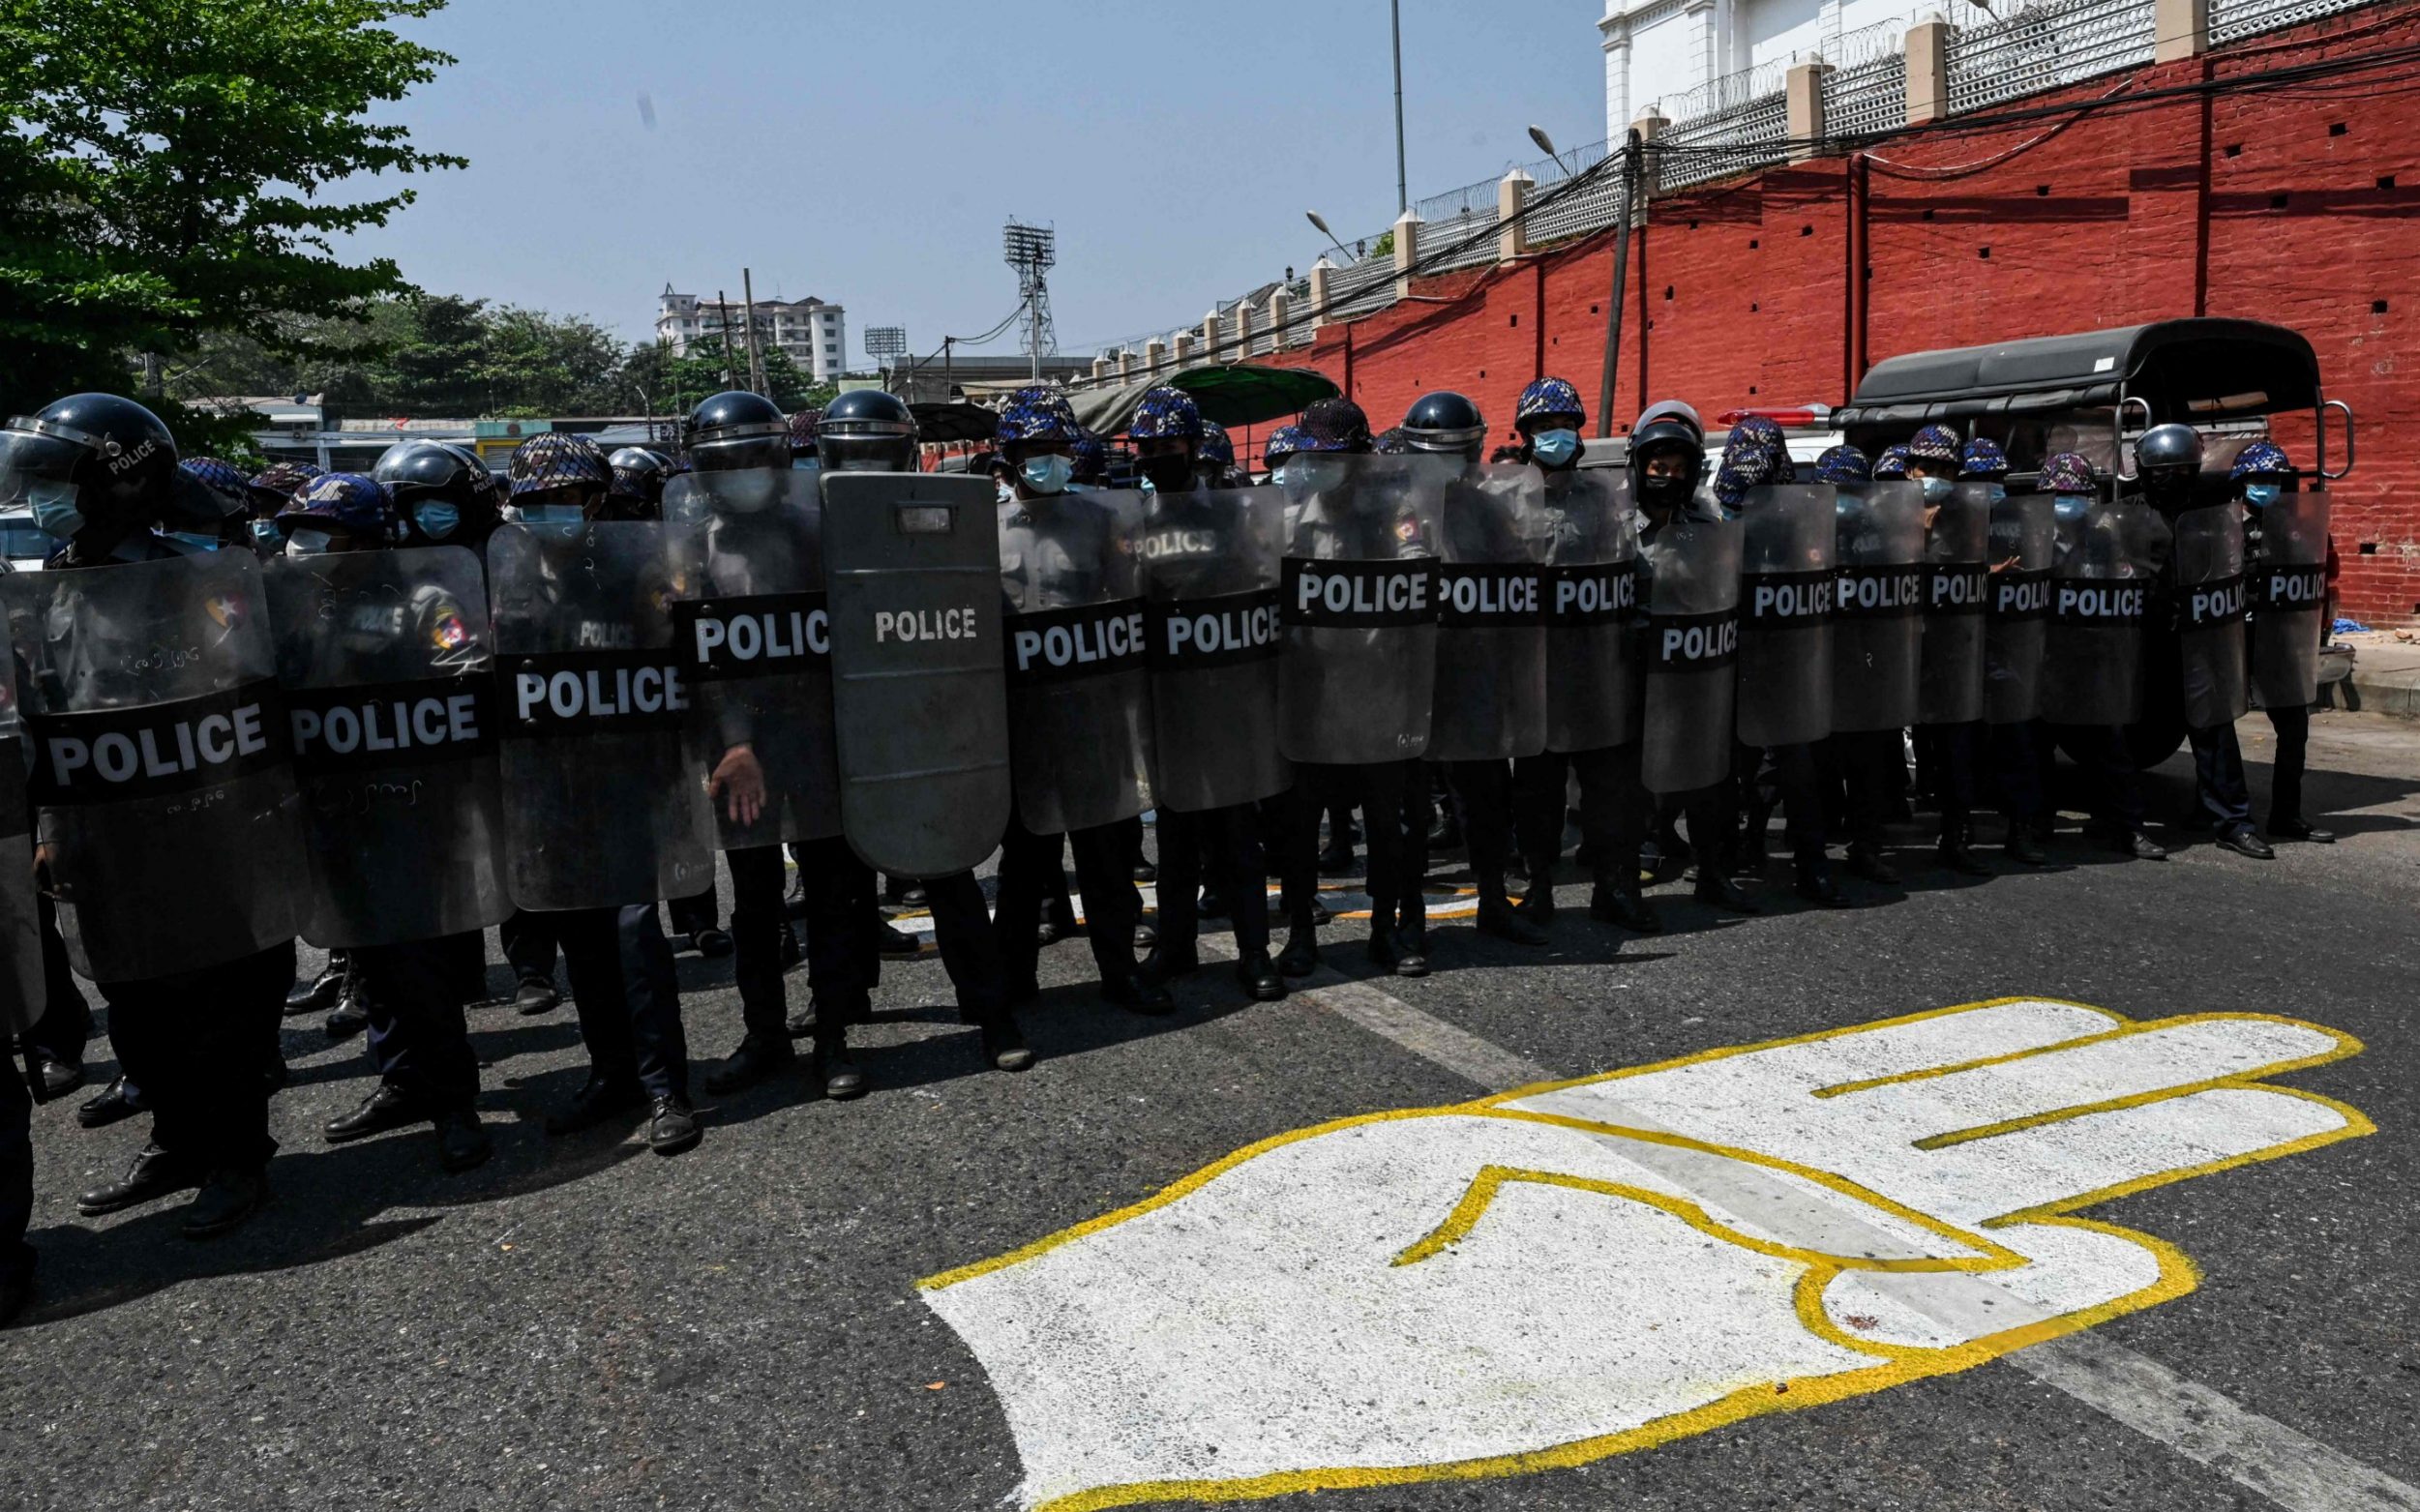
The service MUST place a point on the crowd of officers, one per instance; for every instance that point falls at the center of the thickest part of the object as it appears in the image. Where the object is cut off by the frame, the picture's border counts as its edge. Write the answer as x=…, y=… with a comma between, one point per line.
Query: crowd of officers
x=199, y=1050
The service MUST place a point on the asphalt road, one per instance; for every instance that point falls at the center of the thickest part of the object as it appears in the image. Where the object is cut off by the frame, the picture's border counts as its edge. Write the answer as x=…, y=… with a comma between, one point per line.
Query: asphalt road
x=582, y=1323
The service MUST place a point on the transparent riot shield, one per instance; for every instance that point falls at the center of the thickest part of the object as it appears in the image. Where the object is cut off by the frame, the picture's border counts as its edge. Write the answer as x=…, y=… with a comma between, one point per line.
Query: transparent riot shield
x=603, y=806
x=1957, y=589
x=1210, y=588
x=2206, y=557
x=755, y=634
x=21, y=996
x=1692, y=644
x=2100, y=594
x=1786, y=583
x=162, y=784
x=386, y=667
x=2019, y=552
x=1489, y=703
x=1359, y=603
x=1592, y=611
x=2289, y=584
x=1079, y=694
x=1878, y=627
x=919, y=691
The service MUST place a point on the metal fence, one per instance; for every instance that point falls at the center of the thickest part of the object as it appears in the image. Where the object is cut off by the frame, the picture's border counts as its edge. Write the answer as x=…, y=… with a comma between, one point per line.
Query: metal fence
x=2043, y=47
x=2230, y=20
x=1747, y=135
x=1867, y=99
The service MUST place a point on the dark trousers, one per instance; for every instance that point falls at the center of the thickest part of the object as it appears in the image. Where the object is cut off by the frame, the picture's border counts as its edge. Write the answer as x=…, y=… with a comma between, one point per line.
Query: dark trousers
x=1797, y=776
x=2293, y=751
x=1613, y=813
x=2113, y=787
x=2218, y=778
x=843, y=914
x=1958, y=753
x=1380, y=789
x=66, y=1025
x=1873, y=770
x=628, y=995
x=418, y=1039
x=2016, y=771
x=1483, y=796
x=200, y=1043
x=530, y=943
x=1225, y=844
x=1711, y=814
x=1103, y=875
x=17, y=1175
x=696, y=913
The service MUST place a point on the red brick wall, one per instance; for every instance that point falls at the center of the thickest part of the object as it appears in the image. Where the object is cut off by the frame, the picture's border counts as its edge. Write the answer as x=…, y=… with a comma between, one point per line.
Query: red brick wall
x=2299, y=208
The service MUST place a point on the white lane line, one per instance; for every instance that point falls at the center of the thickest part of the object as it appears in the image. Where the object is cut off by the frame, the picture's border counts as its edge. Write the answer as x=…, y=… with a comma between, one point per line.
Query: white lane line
x=2260, y=1454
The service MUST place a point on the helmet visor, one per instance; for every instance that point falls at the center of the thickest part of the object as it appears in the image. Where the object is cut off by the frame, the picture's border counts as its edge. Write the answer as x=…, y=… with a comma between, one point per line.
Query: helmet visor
x=36, y=466
x=740, y=448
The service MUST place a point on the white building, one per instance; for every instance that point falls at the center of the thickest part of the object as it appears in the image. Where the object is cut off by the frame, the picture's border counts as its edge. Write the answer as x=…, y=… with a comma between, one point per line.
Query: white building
x=1690, y=57
x=815, y=334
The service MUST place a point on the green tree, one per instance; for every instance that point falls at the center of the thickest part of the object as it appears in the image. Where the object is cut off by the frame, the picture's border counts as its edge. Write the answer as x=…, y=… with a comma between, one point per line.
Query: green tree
x=676, y=383
x=167, y=168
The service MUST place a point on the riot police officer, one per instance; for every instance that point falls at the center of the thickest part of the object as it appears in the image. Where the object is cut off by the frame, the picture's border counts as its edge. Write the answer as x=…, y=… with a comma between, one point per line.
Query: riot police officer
x=639, y=476
x=804, y=425
x=623, y=982
x=99, y=472
x=443, y=495
x=2285, y=548
x=2113, y=786
x=1216, y=461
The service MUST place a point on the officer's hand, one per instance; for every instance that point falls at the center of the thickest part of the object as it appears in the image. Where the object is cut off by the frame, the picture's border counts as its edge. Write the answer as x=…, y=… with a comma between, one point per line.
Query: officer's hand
x=2010, y=565
x=1625, y=1261
x=739, y=780
x=46, y=857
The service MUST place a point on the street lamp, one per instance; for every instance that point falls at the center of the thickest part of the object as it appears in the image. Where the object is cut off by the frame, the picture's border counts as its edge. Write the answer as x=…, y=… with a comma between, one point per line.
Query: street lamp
x=1546, y=145
x=1313, y=216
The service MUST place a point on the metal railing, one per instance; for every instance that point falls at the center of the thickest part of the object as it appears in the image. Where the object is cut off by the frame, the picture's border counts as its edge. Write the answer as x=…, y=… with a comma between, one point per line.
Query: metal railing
x=2043, y=47
x=2231, y=21
x=1748, y=136
x=1728, y=92
x=1867, y=99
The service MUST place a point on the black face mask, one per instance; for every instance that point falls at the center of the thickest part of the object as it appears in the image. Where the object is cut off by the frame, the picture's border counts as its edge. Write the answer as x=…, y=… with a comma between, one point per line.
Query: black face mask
x=1664, y=492
x=1168, y=474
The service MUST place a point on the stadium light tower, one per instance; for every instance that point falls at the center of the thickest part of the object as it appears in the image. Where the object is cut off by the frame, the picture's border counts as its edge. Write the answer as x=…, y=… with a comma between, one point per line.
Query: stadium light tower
x=1034, y=251
x=885, y=344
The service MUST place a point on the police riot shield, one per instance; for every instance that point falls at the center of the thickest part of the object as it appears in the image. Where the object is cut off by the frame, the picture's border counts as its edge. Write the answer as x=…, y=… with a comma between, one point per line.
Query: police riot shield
x=1878, y=595
x=162, y=787
x=385, y=666
x=919, y=691
x=1489, y=703
x=1693, y=594
x=2207, y=555
x=1359, y=603
x=603, y=806
x=1591, y=609
x=755, y=636
x=1957, y=586
x=2018, y=552
x=1209, y=588
x=2100, y=594
x=21, y=997
x=1786, y=579
x=2290, y=599
x=1079, y=693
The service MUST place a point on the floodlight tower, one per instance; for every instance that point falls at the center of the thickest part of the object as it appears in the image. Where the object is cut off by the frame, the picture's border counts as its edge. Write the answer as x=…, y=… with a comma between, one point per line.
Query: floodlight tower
x=1032, y=250
x=885, y=344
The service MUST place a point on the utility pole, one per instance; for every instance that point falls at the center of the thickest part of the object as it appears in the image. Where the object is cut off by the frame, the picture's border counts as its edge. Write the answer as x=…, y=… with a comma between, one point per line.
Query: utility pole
x=724, y=303
x=948, y=343
x=1630, y=164
x=1403, y=196
x=756, y=358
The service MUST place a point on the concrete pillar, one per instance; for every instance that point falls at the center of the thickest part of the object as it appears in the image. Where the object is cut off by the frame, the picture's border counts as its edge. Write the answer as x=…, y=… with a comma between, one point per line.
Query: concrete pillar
x=1927, y=72
x=1616, y=30
x=1650, y=125
x=1281, y=311
x=1154, y=355
x=1210, y=340
x=1320, y=273
x=1511, y=199
x=1805, y=103
x=1407, y=250
x=1125, y=365
x=1184, y=348
x=1243, y=332
x=1100, y=368
x=2179, y=29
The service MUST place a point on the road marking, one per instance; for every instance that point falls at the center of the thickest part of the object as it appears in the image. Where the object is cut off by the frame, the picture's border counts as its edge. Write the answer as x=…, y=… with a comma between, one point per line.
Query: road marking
x=1444, y=1269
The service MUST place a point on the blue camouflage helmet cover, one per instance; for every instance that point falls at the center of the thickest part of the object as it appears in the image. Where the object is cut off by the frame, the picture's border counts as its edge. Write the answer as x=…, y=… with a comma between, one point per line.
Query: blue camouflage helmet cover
x=1983, y=459
x=2067, y=472
x=1890, y=464
x=1545, y=398
x=1843, y=463
x=1936, y=446
x=1216, y=445
x=224, y=476
x=1091, y=458
x=1037, y=414
x=1755, y=454
x=353, y=502
x=274, y=485
x=554, y=459
x=1282, y=443
x=1334, y=424
x=1166, y=413
x=2262, y=459
x=1391, y=442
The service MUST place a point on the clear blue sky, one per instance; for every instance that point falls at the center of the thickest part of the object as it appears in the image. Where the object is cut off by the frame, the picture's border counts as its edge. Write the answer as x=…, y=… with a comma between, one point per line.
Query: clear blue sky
x=869, y=153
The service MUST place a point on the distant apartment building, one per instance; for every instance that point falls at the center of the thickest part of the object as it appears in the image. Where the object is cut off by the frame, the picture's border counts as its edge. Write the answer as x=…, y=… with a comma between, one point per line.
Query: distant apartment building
x=812, y=333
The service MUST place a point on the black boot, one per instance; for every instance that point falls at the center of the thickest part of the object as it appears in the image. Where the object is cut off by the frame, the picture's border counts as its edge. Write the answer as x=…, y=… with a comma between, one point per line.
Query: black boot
x=1498, y=917
x=1301, y=957
x=462, y=1143
x=153, y=1174
x=320, y=991
x=1617, y=900
x=1954, y=853
x=1718, y=891
x=1866, y=861
x=1261, y=977
x=755, y=1060
x=2021, y=846
x=1166, y=964
x=1137, y=995
x=843, y=1078
x=1816, y=886
x=388, y=1108
x=228, y=1197
x=535, y=996
x=107, y=1106
x=1003, y=1046
x=596, y=1102
x=672, y=1125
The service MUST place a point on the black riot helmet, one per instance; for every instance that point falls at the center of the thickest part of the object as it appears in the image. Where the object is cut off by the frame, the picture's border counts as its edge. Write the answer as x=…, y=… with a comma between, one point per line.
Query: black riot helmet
x=640, y=473
x=2168, y=458
x=89, y=460
x=1445, y=422
x=1666, y=431
x=867, y=431
x=442, y=494
x=737, y=430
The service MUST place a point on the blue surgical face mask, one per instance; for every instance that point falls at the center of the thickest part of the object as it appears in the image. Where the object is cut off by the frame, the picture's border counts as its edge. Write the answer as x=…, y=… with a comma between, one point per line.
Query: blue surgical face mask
x=437, y=521
x=1048, y=473
x=552, y=514
x=267, y=537
x=2260, y=496
x=1937, y=490
x=1555, y=447
x=2071, y=506
x=198, y=543
x=55, y=510
x=1319, y=473
x=1007, y=494
x=1996, y=493
x=305, y=542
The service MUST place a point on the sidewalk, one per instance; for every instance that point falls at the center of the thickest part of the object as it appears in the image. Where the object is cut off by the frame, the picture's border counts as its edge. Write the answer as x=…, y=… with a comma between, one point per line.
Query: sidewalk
x=2386, y=674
